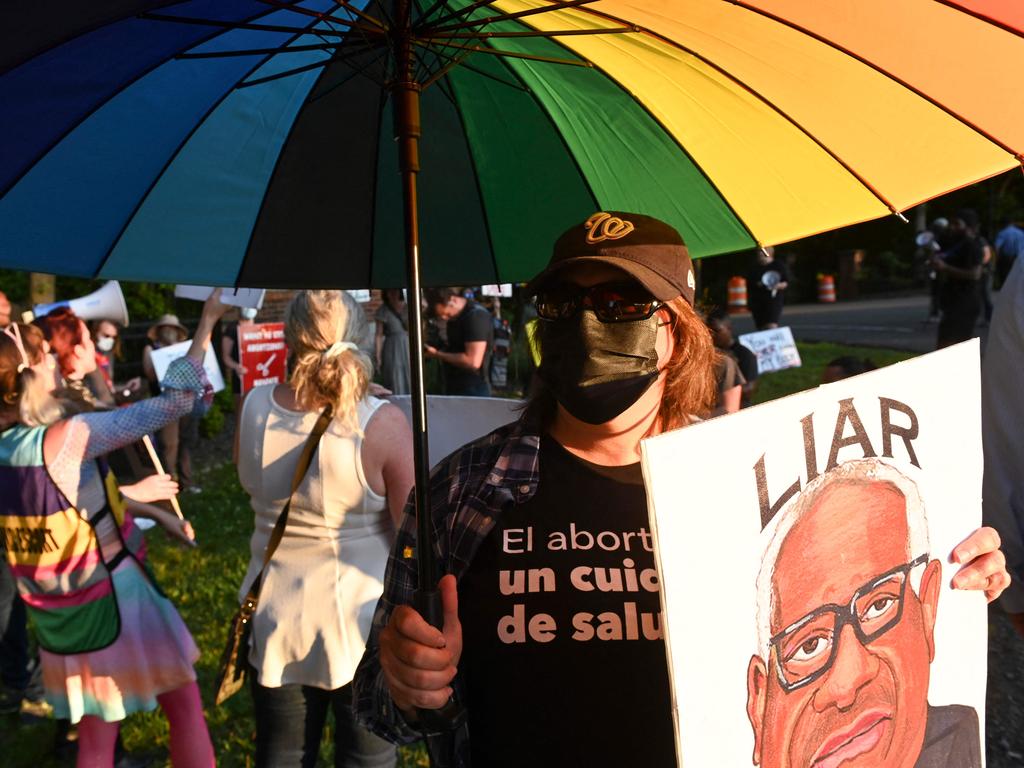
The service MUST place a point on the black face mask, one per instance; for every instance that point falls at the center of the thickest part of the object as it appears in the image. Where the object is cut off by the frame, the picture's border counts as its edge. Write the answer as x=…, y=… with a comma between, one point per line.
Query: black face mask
x=597, y=370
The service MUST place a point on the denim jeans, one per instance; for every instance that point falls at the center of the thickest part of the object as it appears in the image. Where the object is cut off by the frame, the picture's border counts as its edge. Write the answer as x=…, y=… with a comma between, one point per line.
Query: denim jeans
x=290, y=722
x=19, y=669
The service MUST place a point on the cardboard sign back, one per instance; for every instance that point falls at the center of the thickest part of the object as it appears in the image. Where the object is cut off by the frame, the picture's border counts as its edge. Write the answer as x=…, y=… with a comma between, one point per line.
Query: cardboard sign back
x=163, y=357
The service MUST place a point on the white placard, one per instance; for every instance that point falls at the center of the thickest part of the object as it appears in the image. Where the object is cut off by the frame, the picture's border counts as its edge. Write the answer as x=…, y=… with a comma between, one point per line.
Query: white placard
x=771, y=522
x=235, y=297
x=362, y=295
x=775, y=349
x=454, y=421
x=504, y=290
x=163, y=357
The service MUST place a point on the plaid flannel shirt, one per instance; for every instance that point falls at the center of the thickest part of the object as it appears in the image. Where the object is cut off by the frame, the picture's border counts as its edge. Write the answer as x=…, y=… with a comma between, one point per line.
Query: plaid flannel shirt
x=469, y=490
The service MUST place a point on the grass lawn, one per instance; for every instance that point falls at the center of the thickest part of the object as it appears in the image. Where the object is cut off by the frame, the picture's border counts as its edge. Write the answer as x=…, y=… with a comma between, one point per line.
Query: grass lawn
x=203, y=584
x=815, y=356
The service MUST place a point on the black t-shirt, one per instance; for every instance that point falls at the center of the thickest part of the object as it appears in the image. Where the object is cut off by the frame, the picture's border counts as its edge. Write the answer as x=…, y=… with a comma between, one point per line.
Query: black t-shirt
x=563, y=655
x=473, y=323
x=966, y=253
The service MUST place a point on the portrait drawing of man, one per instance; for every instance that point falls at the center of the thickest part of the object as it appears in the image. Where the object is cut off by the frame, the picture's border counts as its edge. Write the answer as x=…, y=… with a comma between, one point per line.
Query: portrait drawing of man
x=847, y=601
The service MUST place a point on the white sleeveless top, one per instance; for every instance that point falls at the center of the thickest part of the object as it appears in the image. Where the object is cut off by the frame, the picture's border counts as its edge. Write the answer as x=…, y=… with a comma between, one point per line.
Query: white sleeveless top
x=317, y=599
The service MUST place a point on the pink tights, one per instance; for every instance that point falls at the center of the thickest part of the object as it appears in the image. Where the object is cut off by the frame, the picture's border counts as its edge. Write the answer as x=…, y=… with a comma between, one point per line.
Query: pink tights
x=190, y=739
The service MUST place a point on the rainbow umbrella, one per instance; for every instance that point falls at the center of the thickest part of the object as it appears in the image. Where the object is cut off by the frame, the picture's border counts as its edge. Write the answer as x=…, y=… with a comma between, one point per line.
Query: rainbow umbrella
x=240, y=141
x=252, y=141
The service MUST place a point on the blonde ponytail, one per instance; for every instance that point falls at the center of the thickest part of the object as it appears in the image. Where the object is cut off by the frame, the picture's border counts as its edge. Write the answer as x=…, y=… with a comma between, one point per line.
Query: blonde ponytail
x=323, y=330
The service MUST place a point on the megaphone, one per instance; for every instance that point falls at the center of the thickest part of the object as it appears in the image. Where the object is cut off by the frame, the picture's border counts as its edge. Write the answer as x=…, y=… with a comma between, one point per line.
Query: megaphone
x=106, y=303
x=927, y=239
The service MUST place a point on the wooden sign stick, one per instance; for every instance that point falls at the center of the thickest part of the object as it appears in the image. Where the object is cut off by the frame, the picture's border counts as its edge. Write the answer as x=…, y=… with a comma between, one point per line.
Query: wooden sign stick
x=160, y=468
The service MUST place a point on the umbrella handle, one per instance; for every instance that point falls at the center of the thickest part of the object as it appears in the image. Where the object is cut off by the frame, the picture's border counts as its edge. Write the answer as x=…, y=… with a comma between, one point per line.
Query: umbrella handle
x=452, y=715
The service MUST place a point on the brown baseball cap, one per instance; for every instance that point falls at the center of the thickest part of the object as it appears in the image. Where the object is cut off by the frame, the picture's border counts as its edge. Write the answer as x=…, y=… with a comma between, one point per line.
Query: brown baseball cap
x=649, y=250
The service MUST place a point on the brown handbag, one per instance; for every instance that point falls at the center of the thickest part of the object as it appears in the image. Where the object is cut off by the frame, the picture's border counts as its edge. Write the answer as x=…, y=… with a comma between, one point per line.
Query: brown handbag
x=234, y=662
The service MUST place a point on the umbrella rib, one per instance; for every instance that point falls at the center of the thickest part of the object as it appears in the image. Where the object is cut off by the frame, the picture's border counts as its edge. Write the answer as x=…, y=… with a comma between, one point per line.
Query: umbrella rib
x=285, y=73
x=234, y=25
x=514, y=55
x=536, y=33
x=423, y=68
x=764, y=100
x=557, y=6
x=982, y=17
x=357, y=12
x=471, y=68
x=356, y=71
x=361, y=28
x=96, y=107
x=326, y=17
x=306, y=68
x=424, y=18
x=173, y=156
x=453, y=61
x=900, y=81
x=445, y=87
x=265, y=51
x=462, y=13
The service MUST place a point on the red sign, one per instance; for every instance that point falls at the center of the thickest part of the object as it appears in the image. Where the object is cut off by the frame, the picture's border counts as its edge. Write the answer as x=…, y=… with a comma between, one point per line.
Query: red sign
x=262, y=353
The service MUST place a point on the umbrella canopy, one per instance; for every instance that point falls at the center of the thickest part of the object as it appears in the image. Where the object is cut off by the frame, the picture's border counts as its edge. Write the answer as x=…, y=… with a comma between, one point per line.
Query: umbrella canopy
x=250, y=142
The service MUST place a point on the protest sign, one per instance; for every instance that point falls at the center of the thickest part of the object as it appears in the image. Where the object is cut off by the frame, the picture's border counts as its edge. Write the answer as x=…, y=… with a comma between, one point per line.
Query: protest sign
x=775, y=349
x=235, y=297
x=503, y=290
x=165, y=355
x=455, y=421
x=262, y=353
x=804, y=554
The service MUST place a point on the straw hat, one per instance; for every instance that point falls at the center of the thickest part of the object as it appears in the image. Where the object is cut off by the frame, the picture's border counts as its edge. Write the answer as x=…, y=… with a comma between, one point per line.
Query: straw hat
x=170, y=321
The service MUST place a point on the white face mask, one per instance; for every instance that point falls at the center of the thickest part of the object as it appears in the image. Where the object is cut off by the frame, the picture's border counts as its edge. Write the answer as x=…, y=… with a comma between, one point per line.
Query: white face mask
x=105, y=343
x=249, y=313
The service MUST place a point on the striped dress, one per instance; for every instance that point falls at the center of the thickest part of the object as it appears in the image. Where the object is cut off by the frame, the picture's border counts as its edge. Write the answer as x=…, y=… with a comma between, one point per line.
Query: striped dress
x=110, y=642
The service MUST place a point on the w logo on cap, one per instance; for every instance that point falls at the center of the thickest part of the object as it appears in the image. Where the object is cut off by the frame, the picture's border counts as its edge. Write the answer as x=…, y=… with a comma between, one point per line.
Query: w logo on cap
x=603, y=226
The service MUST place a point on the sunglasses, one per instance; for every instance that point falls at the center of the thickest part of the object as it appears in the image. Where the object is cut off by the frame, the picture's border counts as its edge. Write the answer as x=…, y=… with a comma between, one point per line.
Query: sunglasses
x=610, y=302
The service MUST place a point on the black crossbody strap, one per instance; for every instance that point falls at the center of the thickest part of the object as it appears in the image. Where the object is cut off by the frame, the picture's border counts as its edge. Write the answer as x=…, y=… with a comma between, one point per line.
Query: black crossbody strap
x=305, y=459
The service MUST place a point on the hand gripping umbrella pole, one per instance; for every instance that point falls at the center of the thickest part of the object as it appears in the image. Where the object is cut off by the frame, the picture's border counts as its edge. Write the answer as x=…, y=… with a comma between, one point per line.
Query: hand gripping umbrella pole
x=427, y=598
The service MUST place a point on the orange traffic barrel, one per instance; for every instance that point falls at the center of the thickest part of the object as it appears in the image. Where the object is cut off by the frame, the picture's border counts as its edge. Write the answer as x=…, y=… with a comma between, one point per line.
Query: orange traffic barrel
x=826, y=289
x=737, y=295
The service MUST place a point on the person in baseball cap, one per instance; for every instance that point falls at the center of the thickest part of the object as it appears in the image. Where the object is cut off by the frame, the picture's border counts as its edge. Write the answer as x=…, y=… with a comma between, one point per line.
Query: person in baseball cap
x=646, y=249
x=623, y=356
x=613, y=283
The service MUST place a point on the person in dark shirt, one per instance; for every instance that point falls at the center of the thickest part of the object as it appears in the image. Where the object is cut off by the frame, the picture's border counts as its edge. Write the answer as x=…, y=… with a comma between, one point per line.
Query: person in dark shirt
x=766, y=288
x=720, y=325
x=467, y=354
x=959, y=266
x=552, y=634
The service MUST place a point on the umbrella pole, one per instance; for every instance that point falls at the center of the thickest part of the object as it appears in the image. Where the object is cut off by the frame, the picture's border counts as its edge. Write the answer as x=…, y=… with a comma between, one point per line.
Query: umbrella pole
x=406, y=93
